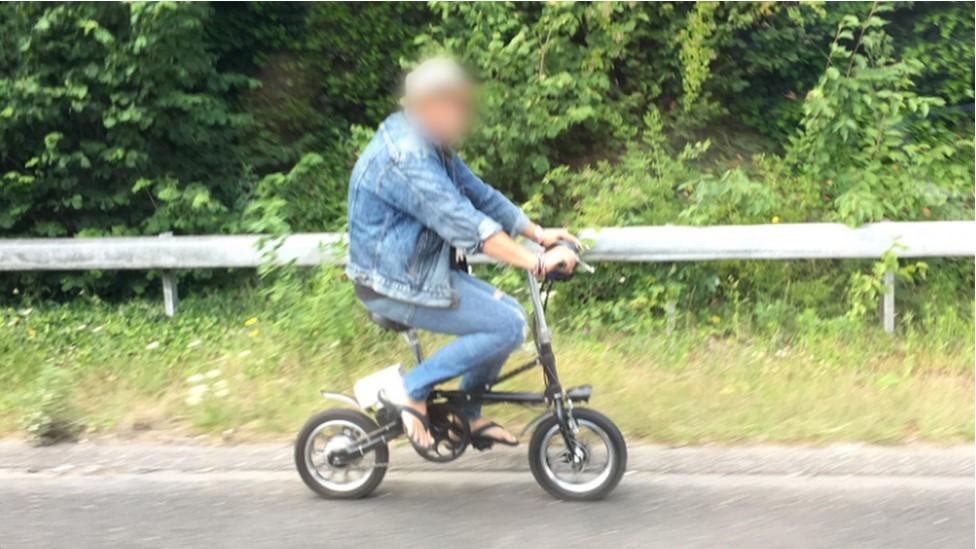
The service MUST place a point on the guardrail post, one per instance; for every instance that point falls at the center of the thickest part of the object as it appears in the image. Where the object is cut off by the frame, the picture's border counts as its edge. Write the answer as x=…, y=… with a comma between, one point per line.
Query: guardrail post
x=888, y=303
x=170, y=295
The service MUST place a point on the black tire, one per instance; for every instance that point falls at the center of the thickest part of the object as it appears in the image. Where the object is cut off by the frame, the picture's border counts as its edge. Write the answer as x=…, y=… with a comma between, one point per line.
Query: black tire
x=593, y=420
x=307, y=472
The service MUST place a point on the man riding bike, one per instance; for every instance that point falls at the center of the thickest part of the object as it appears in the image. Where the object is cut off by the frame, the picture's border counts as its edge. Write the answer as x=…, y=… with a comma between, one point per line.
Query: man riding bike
x=414, y=209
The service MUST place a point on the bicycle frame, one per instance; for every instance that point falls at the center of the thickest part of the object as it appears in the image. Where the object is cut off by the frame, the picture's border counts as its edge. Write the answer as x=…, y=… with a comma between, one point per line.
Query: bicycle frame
x=561, y=402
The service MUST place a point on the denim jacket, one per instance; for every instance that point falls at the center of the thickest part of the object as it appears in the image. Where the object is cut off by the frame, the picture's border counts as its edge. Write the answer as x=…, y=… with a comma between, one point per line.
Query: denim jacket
x=409, y=203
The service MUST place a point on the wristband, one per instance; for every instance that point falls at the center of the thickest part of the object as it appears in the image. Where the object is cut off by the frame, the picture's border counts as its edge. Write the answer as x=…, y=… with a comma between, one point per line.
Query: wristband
x=538, y=234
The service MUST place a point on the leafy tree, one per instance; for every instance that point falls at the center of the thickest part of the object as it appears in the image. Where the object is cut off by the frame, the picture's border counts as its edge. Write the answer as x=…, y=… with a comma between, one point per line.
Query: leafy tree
x=114, y=121
x=857, y=146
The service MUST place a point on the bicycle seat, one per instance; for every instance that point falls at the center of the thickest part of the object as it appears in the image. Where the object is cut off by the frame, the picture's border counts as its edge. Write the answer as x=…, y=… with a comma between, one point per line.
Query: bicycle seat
x=388, y=324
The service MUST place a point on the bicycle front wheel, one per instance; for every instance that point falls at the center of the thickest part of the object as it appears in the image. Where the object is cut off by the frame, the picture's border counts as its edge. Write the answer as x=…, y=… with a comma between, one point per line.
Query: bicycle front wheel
x=588, y=471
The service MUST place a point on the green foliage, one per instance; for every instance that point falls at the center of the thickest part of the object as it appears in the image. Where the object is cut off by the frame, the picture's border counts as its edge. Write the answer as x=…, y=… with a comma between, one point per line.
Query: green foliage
x=242, y=365
x=49, y=416
x=865, y=288
x=323, y=68
x=311, y=196
x=102, y=133
x=233, y=117
x=857, y=143
x=939, y=36
x=547, y=66
x=307, y=197
x=696, y=54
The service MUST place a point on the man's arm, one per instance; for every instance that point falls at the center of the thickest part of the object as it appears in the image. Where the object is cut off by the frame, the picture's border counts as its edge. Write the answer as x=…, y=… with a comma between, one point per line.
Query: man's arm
x=431, y=197
x=487, y=199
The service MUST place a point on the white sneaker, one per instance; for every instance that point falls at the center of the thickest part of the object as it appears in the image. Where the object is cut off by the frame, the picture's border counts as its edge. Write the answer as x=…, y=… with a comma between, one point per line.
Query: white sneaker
x=388, y=382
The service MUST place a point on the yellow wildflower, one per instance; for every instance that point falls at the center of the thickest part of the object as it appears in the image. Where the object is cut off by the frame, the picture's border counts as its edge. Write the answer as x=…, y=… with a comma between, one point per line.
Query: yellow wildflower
x=251, y=321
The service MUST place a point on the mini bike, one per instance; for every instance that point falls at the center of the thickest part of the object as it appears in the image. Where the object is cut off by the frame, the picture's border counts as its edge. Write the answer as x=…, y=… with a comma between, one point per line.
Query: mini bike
x=575, y=453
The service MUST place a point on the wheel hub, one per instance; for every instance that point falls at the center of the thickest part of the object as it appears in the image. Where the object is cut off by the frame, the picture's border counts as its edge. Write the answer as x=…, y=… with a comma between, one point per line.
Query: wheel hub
x=579, y=457
x=336, y=443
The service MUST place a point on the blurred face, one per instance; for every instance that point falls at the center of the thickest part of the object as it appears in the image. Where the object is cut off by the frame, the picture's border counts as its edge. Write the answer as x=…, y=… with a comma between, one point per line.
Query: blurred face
x=445, y=116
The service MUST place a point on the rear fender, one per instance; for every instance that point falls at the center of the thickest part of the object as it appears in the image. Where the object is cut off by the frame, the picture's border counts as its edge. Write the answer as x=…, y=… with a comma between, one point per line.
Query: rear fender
x=339, y=397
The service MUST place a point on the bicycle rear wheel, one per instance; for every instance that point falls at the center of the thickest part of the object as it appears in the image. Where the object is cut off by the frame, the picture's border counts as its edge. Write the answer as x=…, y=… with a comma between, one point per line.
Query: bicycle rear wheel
x=333, y=430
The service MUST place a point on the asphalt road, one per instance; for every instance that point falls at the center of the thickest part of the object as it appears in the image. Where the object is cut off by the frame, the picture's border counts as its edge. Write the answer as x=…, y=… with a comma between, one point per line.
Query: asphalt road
x=473, y=509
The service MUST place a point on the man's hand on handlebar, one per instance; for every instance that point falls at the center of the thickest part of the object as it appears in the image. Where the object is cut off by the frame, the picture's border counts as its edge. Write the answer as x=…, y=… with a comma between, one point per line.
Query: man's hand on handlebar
x=560, y=258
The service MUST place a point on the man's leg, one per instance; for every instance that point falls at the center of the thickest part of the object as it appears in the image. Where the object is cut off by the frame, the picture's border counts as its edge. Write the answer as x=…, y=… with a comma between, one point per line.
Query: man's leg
x=481, y=375
x=488, y=330
x=490, y=325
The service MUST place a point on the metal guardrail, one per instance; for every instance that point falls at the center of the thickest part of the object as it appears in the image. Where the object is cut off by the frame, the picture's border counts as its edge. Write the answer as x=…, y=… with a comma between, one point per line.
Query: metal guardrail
x=620, y=244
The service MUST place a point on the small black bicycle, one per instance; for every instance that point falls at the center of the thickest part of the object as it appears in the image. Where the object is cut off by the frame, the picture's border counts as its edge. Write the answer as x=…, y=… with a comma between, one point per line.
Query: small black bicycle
x=575, y=453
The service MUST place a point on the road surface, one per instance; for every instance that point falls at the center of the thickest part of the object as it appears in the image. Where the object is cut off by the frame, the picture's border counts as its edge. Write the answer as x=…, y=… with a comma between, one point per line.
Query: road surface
x=262, y=504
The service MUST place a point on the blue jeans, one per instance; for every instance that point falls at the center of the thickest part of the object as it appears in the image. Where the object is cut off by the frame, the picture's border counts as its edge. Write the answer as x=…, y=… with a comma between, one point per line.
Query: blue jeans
x=489, y=324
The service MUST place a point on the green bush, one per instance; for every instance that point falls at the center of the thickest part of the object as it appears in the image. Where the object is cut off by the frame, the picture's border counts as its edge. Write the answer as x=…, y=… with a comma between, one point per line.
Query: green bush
x=196, y=118
x=103, y=133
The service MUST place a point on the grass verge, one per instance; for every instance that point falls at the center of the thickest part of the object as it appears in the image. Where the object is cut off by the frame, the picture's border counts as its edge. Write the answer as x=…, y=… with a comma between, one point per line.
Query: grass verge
x=233, y=365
